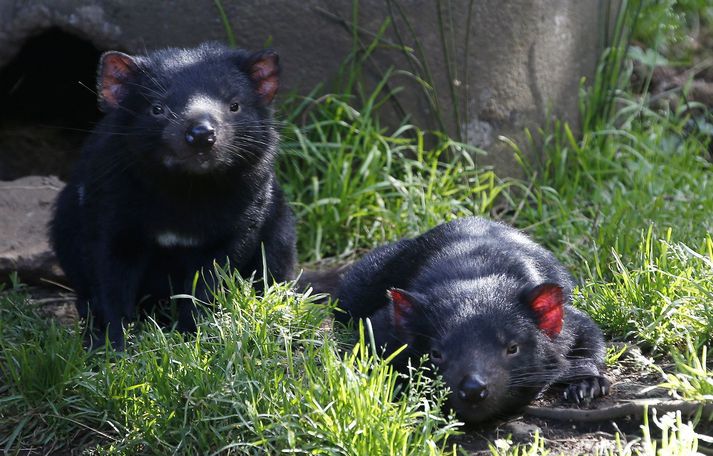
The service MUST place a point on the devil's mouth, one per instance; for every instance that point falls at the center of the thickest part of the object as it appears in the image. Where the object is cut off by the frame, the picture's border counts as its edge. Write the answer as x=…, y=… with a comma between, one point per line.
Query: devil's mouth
x=198, y=161
x=471, y=413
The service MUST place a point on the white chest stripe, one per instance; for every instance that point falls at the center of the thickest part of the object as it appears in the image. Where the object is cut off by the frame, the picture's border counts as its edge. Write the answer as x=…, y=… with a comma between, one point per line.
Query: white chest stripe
x=80, y=194
x=171, y=239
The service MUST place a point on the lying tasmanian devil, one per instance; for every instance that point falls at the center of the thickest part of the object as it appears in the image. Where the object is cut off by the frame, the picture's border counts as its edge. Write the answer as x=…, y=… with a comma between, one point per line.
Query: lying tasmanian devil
x=178, y=174
x=489, y=307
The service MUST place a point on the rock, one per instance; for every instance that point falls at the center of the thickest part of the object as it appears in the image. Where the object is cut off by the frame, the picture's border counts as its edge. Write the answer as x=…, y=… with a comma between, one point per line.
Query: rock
x=521, y=431
x=25, y=209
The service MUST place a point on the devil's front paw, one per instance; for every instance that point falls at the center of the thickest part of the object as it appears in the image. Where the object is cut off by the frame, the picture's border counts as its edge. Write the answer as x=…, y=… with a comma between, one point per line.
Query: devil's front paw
x=586, y=389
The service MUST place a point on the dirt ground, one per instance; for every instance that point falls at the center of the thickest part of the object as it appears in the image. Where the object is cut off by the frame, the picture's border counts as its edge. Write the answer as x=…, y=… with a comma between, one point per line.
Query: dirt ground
x=588, y=433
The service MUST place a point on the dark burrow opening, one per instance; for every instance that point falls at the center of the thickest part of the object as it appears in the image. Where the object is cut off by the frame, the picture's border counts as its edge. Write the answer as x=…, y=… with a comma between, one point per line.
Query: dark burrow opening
x=47, y=105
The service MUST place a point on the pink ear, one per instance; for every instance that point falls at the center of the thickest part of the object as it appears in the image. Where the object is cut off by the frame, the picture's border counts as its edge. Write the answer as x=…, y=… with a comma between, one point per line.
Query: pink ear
x=547, y=301
x=116, y=70
x=264, y=69
x=403, y=305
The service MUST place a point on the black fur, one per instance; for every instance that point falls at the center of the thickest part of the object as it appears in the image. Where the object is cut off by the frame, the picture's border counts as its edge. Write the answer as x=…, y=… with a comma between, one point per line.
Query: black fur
x=147, y=206
x=462, y=293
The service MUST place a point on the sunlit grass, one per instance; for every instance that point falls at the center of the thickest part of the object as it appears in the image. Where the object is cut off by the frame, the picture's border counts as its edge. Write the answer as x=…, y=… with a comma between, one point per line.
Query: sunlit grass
x=260, y=376
x=693, y=377
x=355, y=184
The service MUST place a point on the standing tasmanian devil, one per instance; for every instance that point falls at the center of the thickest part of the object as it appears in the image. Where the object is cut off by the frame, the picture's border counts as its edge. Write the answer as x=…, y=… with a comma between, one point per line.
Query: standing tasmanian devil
x=178, y=174
x=489, y=307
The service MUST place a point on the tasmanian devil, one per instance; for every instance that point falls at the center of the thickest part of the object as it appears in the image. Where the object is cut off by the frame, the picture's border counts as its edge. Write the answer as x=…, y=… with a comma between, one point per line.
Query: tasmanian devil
x=488, y=306
x=178, y=174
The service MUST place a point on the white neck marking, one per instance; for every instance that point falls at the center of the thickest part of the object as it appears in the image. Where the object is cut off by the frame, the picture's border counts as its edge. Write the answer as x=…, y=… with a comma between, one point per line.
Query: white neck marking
x=171, y=239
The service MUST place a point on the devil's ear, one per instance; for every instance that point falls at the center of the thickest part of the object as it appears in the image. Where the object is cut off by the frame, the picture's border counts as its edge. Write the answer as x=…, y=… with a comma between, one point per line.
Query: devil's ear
x=547, y=301
x=116, y=71
x=263, y=67
x=403, y=306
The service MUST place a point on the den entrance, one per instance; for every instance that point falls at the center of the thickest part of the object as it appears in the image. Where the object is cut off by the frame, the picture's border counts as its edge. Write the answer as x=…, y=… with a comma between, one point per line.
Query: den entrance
x=47, y=105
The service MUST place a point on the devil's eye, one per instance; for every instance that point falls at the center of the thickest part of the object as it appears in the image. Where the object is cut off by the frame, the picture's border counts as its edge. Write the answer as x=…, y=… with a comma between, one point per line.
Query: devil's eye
x=436, y=356
x=157, y=109
x=235, y=107
x=513, y=349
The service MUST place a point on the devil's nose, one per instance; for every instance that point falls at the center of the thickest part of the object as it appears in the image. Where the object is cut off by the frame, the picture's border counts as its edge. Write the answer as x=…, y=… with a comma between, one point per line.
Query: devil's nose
x=472, y=389
x=201, y=134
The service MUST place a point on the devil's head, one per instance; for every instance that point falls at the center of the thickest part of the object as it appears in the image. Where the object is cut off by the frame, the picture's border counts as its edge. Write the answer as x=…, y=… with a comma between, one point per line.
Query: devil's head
x=192, y=111
x=496, y=350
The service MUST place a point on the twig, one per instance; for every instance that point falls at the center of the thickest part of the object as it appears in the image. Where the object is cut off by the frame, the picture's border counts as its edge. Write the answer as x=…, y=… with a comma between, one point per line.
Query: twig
x=633, y=408
x=52, y=282
x=43, y=301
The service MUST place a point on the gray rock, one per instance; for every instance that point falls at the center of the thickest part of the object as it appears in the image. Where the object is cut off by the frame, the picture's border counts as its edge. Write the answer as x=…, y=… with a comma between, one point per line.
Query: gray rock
x=25, y=209
x=521, y=431
x=524, y=60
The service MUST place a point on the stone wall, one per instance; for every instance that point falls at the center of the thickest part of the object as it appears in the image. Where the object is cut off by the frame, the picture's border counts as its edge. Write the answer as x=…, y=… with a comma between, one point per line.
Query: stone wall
x=523, y=63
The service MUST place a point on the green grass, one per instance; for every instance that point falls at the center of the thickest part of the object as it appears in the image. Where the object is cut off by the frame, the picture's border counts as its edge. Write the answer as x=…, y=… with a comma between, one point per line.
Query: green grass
x=660, y=299
x=346, y=173
x=627, y=215
x=677, y=438
x=632, y=218
x=668, y=24
x=261, y=376
x=693, y=376
x=600, y=195
x=505, y=447
x=671, y=436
